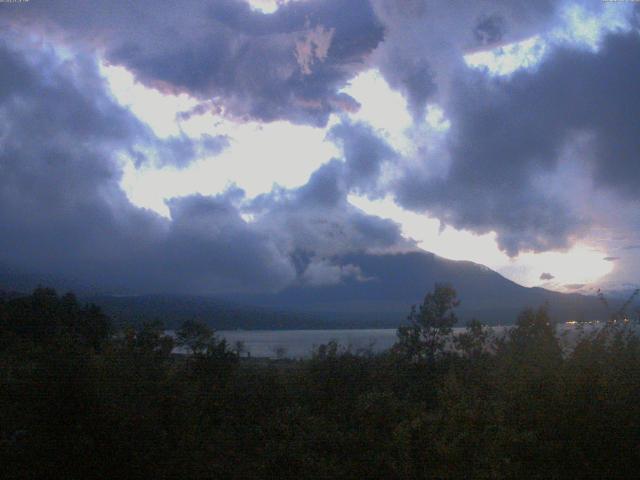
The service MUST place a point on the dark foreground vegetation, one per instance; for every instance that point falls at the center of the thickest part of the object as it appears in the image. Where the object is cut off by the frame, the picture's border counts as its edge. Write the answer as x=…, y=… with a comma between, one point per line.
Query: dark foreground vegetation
x=80, y=400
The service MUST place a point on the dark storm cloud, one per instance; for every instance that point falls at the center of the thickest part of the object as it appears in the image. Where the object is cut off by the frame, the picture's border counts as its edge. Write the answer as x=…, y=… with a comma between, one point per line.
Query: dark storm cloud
x=58, y=186
x=415, y=78
x=490, y=29
x=365, y=154
x=508, y=133
x=63, y=212
x=546, y=276
x=287, y=65
x=208, y=240
x=316, y=224
x=318, y=218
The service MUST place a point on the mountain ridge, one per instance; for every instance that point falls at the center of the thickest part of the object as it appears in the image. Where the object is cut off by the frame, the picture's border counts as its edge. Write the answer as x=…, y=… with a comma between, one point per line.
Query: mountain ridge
x=402, y=280
x=381, y=297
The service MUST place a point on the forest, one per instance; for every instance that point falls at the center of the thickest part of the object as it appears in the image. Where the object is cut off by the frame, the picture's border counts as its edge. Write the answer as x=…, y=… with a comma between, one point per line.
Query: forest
x=80, y=398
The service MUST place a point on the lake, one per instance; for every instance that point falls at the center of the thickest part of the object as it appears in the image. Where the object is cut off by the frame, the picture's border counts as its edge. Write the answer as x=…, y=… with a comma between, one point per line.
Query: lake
x=301, y=343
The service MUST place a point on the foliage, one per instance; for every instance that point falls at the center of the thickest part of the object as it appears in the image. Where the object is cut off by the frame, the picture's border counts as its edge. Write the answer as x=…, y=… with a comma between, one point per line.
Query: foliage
x=475, y=341
x=430, y=326
x=44, y=314
x=77, y=402
x=194, y=336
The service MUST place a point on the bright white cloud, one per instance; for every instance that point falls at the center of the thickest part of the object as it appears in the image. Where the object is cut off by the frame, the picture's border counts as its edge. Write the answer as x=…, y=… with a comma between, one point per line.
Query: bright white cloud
x=427, y=232
x=156, y=109
x=583, y=26
x=436, y=119
x=506, y=59
x=258, y=156
x=386, y=111
x=267, y=6
x=582, y=264
x=381, y=107
x=579, y=26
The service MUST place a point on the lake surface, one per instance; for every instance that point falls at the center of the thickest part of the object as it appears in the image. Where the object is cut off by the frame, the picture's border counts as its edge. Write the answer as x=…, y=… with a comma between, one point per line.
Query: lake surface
x=301, y=343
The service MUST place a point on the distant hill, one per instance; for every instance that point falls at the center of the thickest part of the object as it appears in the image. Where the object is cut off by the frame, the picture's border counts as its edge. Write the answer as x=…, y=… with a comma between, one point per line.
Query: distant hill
x=382, y=297
x=220, y=313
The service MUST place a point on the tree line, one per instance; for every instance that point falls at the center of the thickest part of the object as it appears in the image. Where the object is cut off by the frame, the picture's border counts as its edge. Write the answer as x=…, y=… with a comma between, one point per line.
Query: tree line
x=80, y=398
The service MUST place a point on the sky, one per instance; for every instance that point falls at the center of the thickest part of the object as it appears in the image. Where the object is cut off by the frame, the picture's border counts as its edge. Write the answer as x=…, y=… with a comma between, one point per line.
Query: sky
x=222, y=146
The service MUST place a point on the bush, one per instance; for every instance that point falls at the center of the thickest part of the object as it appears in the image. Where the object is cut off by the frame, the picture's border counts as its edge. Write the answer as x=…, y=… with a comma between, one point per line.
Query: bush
x=75, y=401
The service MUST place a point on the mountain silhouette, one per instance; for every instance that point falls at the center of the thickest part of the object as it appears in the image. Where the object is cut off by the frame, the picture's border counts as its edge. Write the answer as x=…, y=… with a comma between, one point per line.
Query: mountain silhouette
x=381, y=295
x=390, y=284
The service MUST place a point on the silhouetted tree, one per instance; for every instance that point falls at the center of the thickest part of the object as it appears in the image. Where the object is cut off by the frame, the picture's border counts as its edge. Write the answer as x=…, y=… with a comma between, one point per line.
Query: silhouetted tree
x=195, y=336
x=517, y=406
x=430, y=325
x=474, y=341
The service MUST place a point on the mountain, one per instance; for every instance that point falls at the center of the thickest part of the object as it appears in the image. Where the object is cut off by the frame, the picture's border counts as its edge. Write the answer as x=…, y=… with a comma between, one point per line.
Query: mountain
x=380, y=295
x=392, y=283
